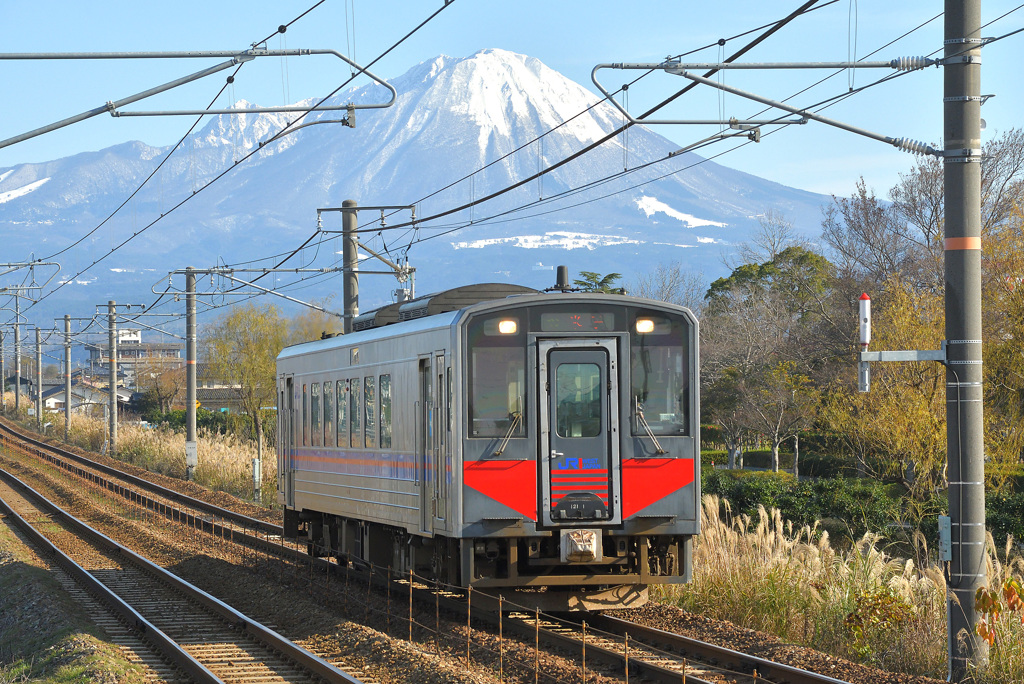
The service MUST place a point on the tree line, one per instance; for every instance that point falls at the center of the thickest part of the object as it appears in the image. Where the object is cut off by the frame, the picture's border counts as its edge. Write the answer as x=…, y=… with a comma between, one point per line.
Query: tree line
x=779, y=335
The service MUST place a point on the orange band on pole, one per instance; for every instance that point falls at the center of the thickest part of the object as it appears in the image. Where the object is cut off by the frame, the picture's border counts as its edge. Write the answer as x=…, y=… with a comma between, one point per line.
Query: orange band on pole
x=962, y=243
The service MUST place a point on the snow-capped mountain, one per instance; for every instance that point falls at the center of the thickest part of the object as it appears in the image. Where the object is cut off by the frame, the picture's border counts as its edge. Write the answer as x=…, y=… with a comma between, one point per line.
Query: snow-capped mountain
x=453, y=116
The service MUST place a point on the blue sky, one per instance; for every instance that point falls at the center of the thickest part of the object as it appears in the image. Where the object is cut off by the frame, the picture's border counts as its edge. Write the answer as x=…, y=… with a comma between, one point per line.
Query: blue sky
x=571, y=37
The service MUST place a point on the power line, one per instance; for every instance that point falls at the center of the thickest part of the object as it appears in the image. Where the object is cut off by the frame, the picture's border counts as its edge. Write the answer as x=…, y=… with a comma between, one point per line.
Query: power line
x=249, y=155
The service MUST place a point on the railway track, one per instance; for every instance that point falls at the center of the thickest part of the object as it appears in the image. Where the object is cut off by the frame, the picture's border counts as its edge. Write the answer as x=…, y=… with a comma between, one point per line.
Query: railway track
x=656, y=655
x=193, y=636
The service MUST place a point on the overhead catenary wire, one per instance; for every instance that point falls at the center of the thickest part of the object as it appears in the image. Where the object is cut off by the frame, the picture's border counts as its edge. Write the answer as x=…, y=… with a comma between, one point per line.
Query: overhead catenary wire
x=480, y=220
x=226, y=171
x=817, y=107
x=228, y=83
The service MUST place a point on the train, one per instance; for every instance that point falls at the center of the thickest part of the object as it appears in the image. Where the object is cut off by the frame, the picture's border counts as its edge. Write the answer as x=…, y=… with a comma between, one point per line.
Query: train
x=540, y=445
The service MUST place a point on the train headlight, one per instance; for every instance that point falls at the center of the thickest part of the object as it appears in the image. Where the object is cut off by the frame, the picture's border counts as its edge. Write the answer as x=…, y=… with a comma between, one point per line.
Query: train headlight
x=508, y=326
x=644, y=325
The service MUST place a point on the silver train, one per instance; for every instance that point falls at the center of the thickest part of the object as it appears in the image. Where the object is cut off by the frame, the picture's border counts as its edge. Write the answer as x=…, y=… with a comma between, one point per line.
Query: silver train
x=544, y=444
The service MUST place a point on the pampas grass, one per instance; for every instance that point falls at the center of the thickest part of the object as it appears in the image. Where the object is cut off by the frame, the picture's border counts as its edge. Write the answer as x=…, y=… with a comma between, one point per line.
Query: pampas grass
x=862, y=604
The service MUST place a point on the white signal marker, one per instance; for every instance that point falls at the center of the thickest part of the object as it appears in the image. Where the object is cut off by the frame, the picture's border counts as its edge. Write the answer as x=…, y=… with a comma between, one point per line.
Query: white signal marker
x=865, y=321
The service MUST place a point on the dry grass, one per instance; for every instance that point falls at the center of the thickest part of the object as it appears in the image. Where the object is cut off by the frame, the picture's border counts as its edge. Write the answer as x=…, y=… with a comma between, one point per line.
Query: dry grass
x=1006, y=657
x=861, y=604
x=224, y=461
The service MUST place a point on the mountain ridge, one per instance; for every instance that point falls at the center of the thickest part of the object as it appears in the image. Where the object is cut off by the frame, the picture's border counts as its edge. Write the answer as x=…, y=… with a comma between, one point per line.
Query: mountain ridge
x=452, y=116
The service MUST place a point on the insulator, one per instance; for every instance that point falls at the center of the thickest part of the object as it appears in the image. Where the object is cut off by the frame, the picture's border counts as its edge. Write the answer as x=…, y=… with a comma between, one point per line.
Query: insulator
x=913, y=146
x=911, y=63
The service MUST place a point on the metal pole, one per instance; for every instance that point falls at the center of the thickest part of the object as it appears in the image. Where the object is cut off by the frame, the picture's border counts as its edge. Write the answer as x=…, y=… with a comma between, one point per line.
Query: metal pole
x=39, y=381
x=964, y=420
x=17, y=354
x=349, y=223
x=67, y=378
x=112, y=333
x=191, y=449
x=3, y=375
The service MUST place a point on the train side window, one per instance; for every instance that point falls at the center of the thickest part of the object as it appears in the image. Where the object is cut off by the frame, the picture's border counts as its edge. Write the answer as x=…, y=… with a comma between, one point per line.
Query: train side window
x=355, y=411
x=343, y=413
x=659, y=376
x=305, y=416
x=370, y=401
x=328, y=413
x=385, y=412
x=314, y=415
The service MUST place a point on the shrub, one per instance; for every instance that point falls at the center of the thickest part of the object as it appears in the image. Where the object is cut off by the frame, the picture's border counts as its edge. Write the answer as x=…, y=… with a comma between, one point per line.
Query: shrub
x=845, y=508
x=1004, y=516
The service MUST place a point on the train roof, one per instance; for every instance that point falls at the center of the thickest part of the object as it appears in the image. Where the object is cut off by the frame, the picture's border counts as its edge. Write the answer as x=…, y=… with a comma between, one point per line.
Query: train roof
x=438, y=302
x=443, y=309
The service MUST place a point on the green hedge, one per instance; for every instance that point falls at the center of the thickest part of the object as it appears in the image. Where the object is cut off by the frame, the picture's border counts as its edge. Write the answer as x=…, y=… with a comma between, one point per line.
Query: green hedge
x=845, y=508
x=849, y=507
x=1004, y=514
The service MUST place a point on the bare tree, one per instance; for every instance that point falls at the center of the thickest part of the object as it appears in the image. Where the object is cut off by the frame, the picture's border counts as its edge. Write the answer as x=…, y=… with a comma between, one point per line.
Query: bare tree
x=670, y=283
x=779, y=403
x=164, y=385
x=873, y=240
x=773, y=236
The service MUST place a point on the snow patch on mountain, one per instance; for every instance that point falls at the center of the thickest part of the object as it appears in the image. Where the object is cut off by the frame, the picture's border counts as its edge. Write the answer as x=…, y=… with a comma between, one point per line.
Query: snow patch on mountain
x=5, y=174
x=246, y=131
x=563, y=240
x=22, y=191
x=651, y=206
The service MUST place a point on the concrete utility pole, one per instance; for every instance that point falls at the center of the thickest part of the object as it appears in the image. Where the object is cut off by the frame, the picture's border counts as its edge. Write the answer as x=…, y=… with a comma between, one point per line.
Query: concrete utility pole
x=349, y=223
x=191, y=447
x=112, y=418
x=965, y=446
x=3, y=375
x=67, y=378
x=39, y=381
x=17, y=354
x=349, y=230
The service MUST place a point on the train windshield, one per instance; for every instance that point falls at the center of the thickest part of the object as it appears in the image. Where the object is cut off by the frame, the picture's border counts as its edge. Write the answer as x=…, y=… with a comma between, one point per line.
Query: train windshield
x=497, y=377
x=659, y=375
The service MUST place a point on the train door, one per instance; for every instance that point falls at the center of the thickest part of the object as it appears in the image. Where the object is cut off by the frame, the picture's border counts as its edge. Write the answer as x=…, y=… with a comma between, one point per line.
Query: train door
x=580, y=478
x=441, y=443
x=286, y=437
x=427, y=451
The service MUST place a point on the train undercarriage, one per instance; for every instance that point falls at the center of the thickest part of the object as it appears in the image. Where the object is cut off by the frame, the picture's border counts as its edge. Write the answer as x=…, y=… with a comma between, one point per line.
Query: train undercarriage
x=567, y=570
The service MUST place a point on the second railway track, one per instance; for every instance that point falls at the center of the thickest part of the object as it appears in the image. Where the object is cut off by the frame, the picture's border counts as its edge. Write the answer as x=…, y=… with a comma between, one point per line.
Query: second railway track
x=198, y=637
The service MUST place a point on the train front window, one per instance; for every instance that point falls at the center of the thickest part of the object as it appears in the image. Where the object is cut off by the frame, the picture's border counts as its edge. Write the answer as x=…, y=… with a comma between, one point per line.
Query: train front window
x=578, y=393
x=497, y=377
x=659, y=376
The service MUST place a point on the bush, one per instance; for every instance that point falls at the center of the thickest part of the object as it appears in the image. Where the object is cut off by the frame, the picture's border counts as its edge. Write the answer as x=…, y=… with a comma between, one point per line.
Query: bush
x=820, y=464
x=1004, y=515
x=846, y=508
x=214, y=421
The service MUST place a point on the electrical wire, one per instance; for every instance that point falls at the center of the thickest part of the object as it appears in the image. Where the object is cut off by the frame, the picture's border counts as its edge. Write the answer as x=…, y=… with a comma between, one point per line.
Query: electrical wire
x=245, y=157
x=577, y=190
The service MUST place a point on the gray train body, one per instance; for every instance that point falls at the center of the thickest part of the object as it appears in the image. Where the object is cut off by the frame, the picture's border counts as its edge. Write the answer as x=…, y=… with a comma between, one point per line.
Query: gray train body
x=500, y=438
